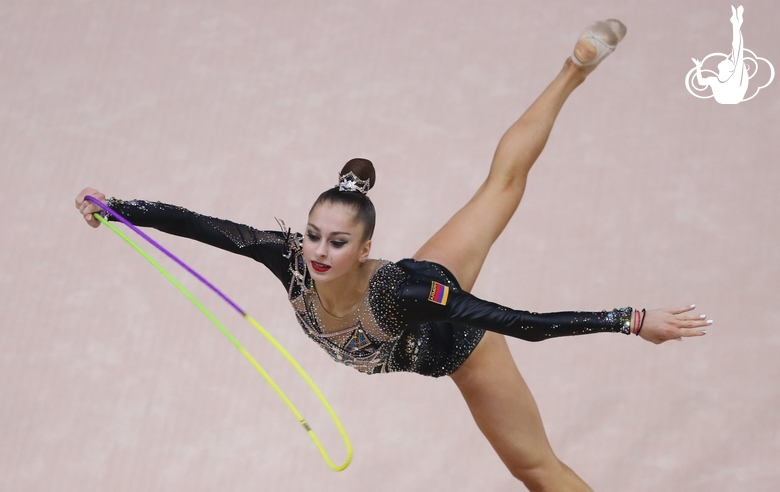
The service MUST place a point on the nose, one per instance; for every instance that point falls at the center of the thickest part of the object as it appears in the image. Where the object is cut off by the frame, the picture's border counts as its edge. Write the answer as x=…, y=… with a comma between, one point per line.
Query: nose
x=322, y=249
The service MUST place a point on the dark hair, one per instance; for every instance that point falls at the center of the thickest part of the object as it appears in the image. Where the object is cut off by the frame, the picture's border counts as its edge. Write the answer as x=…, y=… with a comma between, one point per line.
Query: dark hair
x=364, y=209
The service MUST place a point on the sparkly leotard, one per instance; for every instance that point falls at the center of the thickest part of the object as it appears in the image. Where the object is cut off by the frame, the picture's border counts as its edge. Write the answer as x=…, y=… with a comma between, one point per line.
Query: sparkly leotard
x=414, y=317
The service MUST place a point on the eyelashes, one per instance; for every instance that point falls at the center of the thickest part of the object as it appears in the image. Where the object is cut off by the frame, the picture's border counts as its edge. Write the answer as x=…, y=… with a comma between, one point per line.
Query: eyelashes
x=315, y=238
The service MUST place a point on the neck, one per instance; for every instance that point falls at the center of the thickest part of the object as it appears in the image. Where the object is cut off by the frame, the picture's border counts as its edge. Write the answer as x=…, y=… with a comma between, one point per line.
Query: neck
x=343, y=295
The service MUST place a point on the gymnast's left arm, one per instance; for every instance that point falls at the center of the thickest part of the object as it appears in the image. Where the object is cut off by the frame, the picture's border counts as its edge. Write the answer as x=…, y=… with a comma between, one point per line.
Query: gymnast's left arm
x=466, y=309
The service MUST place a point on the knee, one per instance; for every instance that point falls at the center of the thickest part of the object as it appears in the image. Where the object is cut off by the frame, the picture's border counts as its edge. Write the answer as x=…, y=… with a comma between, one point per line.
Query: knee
x=511, y=186
x=508, y=180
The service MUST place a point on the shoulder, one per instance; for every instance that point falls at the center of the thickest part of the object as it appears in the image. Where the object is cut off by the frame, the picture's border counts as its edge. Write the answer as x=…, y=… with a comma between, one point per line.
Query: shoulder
x=386, y=276
x=425, y=281
x=410, y=276
x=385, y=283
x=430, y=271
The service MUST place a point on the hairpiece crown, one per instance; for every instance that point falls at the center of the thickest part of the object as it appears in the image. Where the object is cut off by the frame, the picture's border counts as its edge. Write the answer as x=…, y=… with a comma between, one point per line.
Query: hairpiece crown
x=350, y=182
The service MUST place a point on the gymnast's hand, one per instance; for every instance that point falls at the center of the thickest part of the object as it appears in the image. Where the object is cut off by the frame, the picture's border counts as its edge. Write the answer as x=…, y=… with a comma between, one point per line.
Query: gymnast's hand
x=88, y=208
x=661, y=325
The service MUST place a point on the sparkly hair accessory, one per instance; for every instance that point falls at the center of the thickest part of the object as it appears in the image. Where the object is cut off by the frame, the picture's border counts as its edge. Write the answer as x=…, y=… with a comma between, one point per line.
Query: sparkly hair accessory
x=350, y=182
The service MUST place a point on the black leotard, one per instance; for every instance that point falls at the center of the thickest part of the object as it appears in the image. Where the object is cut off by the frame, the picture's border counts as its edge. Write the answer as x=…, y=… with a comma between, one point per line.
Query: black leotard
x=415, y=317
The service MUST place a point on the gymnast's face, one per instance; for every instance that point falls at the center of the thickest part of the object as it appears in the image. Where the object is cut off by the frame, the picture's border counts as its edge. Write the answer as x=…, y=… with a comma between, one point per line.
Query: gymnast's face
x=333, y=244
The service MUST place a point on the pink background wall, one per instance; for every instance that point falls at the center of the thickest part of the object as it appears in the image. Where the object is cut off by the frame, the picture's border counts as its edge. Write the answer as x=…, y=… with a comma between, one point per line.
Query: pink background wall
x=645, y=195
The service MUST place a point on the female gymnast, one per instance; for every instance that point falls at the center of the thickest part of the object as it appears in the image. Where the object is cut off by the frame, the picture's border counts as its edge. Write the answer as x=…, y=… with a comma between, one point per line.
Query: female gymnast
x=731, y=84
x=417, y=314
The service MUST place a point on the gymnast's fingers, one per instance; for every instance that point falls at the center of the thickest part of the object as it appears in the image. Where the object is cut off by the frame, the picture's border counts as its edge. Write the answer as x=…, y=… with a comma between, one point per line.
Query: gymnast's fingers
x=88, y=208
x=692, y=332
x=681, y=310
x=91, y=220
x=80, y=197
x=693, y=323
x=686, y=330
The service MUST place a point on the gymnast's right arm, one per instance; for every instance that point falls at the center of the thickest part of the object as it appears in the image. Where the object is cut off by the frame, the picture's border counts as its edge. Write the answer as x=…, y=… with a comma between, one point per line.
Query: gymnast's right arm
x=267, y=247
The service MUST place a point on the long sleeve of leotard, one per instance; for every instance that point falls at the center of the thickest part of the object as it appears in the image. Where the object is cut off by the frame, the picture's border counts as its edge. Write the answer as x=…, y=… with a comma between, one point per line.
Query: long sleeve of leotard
x=422, y=300
x=266, y=247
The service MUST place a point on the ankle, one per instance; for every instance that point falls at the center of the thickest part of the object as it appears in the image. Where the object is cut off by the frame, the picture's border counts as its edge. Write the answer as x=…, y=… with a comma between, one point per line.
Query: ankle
x=573, y=73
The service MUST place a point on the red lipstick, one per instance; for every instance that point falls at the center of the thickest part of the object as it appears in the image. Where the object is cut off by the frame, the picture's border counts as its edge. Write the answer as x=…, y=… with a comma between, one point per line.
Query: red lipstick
x=319, y=267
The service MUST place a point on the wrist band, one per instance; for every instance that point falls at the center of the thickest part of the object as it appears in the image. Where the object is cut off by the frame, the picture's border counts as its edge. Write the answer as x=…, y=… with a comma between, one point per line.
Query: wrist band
x=625, y=326
x=641, y=322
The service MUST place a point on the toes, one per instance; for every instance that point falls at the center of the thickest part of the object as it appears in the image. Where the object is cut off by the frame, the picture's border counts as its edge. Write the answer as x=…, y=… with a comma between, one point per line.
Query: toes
x=618, y=28
x=604, y=32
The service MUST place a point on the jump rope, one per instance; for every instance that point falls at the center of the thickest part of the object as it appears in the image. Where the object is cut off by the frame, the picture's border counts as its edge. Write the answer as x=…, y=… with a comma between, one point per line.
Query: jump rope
x=230, y=337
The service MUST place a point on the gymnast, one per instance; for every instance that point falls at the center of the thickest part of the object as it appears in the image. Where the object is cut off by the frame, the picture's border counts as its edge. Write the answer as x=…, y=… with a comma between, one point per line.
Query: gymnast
x=417, y=314
x=731, y=84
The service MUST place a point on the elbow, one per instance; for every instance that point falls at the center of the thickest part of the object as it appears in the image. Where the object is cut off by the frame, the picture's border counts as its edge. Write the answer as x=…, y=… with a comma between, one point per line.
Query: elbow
x=526, y=335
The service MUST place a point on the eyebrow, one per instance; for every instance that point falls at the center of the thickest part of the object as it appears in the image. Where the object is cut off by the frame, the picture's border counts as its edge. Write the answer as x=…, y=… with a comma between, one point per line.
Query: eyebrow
x=334, y=233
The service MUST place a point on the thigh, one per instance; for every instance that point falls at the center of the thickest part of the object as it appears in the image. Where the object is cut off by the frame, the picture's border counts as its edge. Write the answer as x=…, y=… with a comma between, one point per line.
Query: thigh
x=502, y=405
x=465, y=240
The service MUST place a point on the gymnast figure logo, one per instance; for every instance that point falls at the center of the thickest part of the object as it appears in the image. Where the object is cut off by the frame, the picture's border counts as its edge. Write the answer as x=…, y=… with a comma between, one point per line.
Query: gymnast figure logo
x=735, y=70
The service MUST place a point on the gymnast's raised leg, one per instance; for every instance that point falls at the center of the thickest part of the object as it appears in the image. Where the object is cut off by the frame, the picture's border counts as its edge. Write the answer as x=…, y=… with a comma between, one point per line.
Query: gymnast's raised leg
x=489, y=380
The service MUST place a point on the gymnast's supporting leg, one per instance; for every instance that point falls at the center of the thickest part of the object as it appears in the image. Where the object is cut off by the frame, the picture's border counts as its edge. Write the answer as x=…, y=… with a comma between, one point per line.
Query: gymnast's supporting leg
x=491, y=384
x=506, y=413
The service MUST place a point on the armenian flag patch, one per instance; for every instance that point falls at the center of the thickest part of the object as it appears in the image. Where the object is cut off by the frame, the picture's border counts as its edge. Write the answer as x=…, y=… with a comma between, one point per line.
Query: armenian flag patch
x=439, y=293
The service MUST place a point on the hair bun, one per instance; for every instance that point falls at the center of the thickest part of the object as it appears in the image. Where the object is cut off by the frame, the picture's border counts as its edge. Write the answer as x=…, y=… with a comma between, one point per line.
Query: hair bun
x=362, y=168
